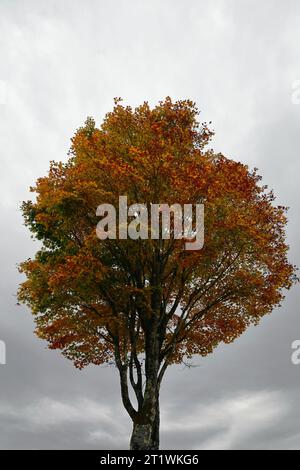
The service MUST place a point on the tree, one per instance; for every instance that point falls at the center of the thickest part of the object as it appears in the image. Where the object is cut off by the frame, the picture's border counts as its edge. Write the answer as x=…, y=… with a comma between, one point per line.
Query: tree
x=148, y=303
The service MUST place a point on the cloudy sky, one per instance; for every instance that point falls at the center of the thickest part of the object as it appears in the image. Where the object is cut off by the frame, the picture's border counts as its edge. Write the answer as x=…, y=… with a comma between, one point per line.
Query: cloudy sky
x=64, y=60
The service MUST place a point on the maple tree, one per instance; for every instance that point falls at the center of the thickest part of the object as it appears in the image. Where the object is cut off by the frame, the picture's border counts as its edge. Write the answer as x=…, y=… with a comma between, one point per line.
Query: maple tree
x=146, y=304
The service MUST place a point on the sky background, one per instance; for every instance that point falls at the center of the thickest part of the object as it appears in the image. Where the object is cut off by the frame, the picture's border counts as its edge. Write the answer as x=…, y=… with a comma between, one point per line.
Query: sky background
x=62, y=61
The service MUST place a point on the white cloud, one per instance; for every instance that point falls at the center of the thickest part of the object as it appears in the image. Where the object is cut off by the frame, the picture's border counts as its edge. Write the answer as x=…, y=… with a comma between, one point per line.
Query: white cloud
x=231, y=420
x=49, y=412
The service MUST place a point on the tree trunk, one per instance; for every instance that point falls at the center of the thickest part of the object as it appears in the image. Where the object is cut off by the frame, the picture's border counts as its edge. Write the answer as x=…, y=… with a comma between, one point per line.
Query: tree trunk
x=145, y=434
x=155, y=427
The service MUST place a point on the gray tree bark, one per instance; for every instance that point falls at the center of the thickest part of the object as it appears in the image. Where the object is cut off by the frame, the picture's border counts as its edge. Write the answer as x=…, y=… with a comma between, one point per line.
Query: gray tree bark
x=145, y=433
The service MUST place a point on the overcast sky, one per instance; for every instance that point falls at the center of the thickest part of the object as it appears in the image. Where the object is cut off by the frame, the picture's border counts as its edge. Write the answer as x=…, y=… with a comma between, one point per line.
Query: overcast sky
x=64, y=60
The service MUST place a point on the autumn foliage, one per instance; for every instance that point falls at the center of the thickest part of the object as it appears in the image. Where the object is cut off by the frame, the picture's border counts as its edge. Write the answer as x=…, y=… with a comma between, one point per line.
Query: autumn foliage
x=145, y=304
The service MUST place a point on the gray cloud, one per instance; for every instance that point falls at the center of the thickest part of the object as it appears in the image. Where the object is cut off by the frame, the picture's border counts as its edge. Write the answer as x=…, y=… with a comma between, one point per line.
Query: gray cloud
x=62, y=61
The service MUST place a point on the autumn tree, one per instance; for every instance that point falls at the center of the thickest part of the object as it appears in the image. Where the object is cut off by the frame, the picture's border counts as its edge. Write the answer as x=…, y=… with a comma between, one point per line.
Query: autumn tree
x=145, y=304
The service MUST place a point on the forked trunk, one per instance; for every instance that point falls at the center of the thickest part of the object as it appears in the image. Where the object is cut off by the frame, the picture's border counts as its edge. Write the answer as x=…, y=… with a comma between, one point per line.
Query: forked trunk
x=145, y=434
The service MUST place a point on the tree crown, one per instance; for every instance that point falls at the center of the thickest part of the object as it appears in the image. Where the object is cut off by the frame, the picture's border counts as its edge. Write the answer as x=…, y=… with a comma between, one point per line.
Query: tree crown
x=96, y=300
